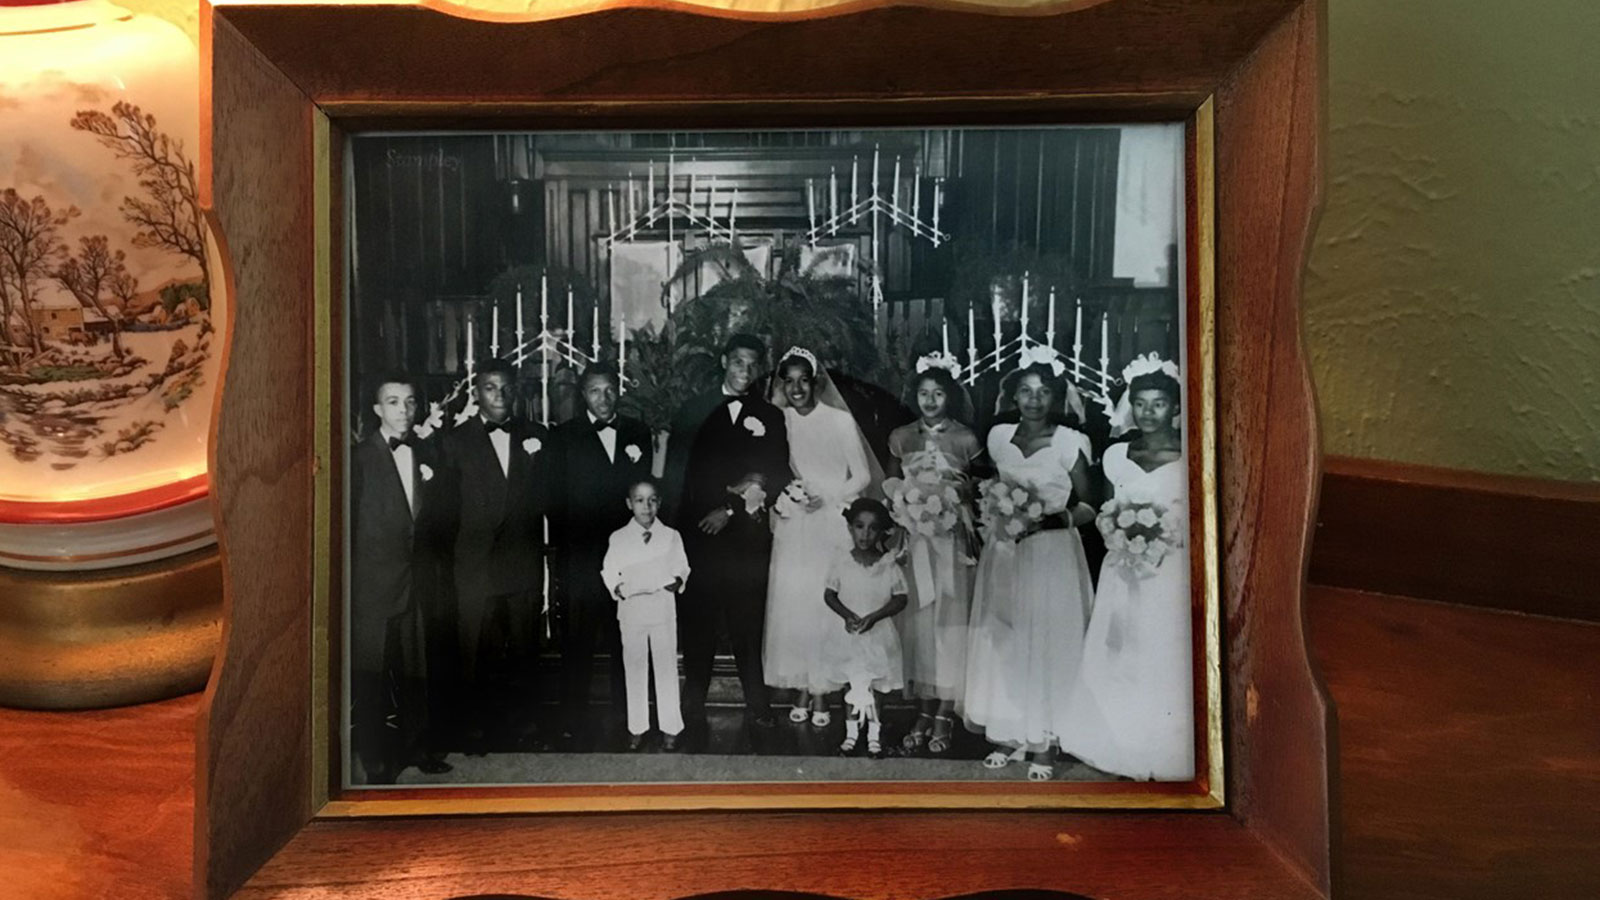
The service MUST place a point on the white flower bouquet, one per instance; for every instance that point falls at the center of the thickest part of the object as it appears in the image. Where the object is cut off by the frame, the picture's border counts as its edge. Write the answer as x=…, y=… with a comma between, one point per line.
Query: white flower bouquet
x=1008, y=510
x=924, y=503
x=794, y=501
x=1139, y=534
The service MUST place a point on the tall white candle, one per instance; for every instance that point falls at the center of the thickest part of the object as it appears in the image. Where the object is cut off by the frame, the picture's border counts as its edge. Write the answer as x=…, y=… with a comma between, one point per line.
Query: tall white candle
x=855, y=188
x=944, y=333
x=622, y=345
x=611, y=208
x=999, y=306
x=469, y=344
x=833, y=201
x=519, y=319
x=594, y=331
x=1024, y=307
x=632, y=210
x=811, y=206
x=894, y=192
x=494, y=329
x=650, y=188
x=916, y=196
x=571, y=326
x=938, y=194
x=1050, y=321
x=972, y=340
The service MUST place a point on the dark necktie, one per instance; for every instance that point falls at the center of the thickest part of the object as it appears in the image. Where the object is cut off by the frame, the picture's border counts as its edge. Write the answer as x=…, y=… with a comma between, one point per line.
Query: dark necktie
x=396, y=443
x=647, y=537
x=492, y=427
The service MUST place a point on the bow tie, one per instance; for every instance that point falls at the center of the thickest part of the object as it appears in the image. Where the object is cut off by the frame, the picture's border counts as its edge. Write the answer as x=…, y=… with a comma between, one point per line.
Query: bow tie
x=647, y=536
x=607, y=425
x=492, y=427
x=396, y=443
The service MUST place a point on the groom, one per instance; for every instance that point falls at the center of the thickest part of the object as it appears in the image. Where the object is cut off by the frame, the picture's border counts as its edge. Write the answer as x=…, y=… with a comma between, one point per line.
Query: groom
x=724, y=444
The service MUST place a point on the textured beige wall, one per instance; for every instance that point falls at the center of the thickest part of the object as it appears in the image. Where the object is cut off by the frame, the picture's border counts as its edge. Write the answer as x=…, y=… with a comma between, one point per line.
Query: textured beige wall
x=1453, y=299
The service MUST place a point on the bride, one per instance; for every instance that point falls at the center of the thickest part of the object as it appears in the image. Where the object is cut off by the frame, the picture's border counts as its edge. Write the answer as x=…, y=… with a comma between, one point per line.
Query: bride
x=832, y=466
x=1131, y=710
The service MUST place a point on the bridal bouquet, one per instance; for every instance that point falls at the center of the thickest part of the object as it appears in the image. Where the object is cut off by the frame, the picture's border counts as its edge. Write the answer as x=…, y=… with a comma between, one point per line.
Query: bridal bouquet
x=1140, y=533
x=793, y=501
x=1008, y=510
x=924, y=503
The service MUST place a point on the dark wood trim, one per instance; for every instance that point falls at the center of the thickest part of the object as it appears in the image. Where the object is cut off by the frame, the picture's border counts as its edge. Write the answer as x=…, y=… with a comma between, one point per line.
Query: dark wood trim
x=1499, y=541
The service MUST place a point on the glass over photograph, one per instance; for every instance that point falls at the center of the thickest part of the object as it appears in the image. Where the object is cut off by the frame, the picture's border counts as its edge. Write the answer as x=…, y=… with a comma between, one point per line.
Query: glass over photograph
x=803, y=456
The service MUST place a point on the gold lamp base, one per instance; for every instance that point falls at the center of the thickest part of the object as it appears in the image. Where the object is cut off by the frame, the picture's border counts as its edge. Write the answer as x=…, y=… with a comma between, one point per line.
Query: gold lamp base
x=74, y=640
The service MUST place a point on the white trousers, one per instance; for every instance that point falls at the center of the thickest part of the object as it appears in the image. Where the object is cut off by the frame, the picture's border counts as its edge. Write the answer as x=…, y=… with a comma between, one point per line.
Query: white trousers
x=641, y=643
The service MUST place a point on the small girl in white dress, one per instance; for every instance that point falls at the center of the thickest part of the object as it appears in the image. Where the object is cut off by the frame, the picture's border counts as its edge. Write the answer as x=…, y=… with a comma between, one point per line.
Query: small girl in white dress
x=864, y=587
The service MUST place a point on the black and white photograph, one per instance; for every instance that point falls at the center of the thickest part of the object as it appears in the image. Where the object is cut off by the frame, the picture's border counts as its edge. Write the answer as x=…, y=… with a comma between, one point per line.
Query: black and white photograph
x=800, y=456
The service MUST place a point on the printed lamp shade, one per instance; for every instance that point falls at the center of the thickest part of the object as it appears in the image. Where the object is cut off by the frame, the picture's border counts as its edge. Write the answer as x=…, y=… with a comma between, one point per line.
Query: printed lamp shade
x=109, y=339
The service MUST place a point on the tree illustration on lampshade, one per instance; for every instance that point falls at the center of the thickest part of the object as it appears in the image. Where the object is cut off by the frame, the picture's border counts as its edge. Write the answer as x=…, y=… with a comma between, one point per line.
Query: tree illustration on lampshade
x=109, y=337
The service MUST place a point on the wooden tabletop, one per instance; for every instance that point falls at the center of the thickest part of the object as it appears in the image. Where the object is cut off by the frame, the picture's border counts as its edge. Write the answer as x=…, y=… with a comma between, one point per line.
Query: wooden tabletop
x=1469, y=758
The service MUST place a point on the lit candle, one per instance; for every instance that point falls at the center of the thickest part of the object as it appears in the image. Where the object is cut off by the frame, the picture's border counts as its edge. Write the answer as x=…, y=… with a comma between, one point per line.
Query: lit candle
x=916, y=196
x=972, y=342
x=855, y=190
x=1024, y=307
x=520, y=332
x=1050, y=321
x=833, y=201
x=811, y=207
x=622, y=345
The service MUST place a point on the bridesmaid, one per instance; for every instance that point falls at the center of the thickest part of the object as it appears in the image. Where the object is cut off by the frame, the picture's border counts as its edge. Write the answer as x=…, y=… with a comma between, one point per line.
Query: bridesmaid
x=1131, y=710
x=1033, y=594
x=933, y=630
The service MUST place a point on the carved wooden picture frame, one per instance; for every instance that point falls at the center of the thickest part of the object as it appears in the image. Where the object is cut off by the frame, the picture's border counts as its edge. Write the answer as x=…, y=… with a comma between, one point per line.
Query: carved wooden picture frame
x=1245, y=75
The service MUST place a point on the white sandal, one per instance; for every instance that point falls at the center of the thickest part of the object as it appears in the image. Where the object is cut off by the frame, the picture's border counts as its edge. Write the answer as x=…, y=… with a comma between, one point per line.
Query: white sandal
x=1040, y=772
x=799, y=714
x=999, y=759
x=821, y=718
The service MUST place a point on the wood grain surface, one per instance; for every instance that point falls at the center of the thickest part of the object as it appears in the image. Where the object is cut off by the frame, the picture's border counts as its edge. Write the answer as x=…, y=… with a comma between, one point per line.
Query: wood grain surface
x=1521, y=544
x=254, y=721
x=1261, y=58
x=1470, y=761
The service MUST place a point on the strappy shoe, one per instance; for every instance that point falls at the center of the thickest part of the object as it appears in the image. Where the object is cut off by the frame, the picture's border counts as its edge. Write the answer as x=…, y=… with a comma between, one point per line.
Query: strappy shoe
x=799, y=714
x=821, y=719
x=852, y=731
x=939, y=744
x=918, y=735
x=999, y=759
x=1040, y=772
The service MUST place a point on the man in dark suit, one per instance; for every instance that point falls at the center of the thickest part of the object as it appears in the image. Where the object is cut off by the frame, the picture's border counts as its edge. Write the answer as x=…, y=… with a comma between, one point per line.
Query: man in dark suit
x=497, y=464
x=725, y=444
x=393, y=491
x=597, y=455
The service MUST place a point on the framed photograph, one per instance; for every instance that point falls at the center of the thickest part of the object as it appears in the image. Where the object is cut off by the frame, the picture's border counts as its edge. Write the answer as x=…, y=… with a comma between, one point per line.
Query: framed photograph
x=779, y=462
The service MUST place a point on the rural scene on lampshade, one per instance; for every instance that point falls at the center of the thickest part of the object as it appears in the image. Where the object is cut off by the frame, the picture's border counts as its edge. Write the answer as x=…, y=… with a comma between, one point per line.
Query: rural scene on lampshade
x=107, y=322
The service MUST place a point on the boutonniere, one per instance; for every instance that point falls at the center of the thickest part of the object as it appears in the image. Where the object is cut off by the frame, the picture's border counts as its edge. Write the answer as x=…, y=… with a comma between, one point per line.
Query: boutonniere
x=633, y=452
x=427, y=472
x=531, y=446
x=755, y=427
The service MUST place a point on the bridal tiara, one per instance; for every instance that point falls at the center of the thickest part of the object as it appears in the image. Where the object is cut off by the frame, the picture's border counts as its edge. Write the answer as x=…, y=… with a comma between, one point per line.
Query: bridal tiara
x=939, y=360
x=804, y=354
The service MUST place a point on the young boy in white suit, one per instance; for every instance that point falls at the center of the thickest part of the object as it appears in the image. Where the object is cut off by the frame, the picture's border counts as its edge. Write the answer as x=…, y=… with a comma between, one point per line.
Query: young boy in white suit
x=644, y=567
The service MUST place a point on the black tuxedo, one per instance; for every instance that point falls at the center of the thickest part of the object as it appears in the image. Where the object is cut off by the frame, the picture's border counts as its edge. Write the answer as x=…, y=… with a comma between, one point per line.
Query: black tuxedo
x=499, y=541
x=708, y=452
x=394, y=590
x=588, y=491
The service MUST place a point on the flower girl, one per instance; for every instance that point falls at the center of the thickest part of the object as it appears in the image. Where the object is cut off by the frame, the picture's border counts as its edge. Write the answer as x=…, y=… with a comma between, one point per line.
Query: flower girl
x=1131, y=710
x=862, y=653
x=931, y=460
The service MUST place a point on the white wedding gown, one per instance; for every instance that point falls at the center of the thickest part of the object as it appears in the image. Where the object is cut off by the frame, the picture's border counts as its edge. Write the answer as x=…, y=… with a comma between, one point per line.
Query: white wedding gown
x=825, y=452
x=1132, y=706
x=1029, y=608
